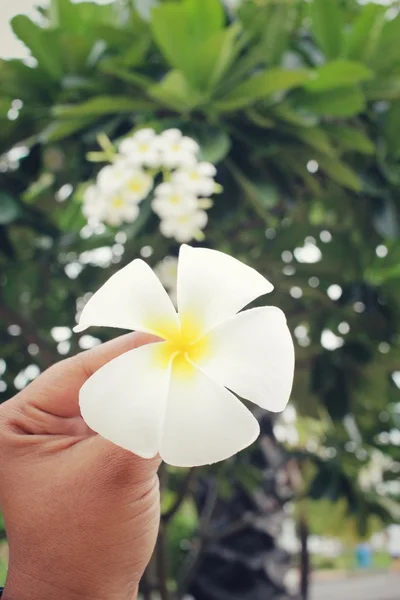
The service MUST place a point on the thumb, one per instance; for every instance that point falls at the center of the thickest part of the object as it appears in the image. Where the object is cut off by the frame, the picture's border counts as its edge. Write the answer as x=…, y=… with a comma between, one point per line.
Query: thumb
x=56, y=391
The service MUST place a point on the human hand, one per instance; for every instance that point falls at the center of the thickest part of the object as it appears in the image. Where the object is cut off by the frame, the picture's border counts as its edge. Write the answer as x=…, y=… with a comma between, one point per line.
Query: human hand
x=81, y=514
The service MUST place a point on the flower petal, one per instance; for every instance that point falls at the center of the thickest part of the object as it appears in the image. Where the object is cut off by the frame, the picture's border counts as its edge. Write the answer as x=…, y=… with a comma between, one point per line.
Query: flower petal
x=204, y=422
x=213, y=286
x=253, y=355
x=125, y=401
x=133, y=298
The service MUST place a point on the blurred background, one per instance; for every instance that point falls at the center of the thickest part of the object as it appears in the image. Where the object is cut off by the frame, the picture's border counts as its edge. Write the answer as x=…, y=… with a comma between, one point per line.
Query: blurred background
x=297, y=104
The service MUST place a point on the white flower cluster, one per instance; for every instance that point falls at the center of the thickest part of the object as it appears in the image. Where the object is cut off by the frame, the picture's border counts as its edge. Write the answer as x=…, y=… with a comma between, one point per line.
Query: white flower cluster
x=180, y=201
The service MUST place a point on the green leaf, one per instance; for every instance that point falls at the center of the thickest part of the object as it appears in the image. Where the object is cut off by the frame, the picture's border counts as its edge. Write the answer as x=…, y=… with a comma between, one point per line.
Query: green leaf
x=350, y=138
x=392, y=129
x=342, y=102
x=43, y=44
x=337, y=73
x=383, y=88
x=327, y=26
x=386, y=54
x=313, y=137
x=176, y=93
x=215, y=56
x=181, y=28
x=101, y=105
x=280, y=23
x=9, y=209
x=59, y=130
x=261, y=86
x=365, y=34
x=339, y=172
x=262, y=195
x=215, y=146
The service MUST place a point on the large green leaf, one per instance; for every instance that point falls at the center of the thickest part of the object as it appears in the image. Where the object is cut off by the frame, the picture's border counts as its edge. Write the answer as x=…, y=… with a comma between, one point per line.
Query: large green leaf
x=342, y=102
x=339, y=172
x=260, y=86
x=327, y=26
x=313, y=137
x=214, y=146
x=350, y=138
x=175, y=92
x=59, y=130
x=102, y=105
x=281, y=18
x=181, y=28
x=338, y=73
x=43, y=44
x=383, y=88
x=215, y=55
x=386, y=54
x=363, y=38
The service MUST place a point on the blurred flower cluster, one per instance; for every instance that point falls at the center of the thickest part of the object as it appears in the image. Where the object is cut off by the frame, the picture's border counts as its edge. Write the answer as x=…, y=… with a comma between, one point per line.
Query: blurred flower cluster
x=168, y=164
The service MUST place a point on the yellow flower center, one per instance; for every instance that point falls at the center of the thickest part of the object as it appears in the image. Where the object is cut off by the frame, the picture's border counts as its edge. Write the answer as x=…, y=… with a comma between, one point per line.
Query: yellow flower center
x=194, y=176
x=118, y=202
x=184, y=346
x=144, y=147
x=175, y=199
x=135, y=186
x=175, y=147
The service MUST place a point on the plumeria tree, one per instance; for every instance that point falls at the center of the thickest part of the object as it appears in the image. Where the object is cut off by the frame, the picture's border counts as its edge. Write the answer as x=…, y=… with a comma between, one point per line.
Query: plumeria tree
x=267, y=130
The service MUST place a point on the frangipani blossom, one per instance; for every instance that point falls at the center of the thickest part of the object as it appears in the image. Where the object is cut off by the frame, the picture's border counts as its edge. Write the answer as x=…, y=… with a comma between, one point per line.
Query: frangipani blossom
x=141, y=149
x=173, y=200
x=113, y=176
x=173, y=397
x=176, y=149
x=198, y=179
x=137, y=185
x=184, y=227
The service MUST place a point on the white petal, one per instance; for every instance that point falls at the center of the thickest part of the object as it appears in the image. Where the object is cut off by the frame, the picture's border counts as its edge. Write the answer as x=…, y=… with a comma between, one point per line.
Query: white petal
x=145, y=135
x=189, y=145
x=213, y=286
x=204, y=422
x=252, y=354
x=133, y=298
x=164, y=189
x=171, y=136
x=125, y=401
x=207, y=169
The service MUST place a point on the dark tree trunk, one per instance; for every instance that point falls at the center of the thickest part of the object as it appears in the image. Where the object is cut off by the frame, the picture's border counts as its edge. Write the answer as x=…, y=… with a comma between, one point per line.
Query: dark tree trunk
x=304, y=558
x=236, y=556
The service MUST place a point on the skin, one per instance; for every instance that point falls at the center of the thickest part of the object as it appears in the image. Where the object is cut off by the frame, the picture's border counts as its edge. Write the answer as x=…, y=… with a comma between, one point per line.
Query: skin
x=81, y=514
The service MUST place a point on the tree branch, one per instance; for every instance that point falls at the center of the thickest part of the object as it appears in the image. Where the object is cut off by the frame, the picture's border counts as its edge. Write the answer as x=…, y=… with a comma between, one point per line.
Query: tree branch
x=188, y=570
x=169, y=514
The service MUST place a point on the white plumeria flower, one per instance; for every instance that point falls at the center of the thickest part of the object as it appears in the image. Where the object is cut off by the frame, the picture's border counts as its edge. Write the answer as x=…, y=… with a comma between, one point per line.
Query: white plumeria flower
x=120, y=210
x=113, y=176
x=141, y=149
x=137, y=186
x=186, y=227
x=177, y=150
x=197, y=179
x=172, y=397
x=172, y=200
x=167, y=272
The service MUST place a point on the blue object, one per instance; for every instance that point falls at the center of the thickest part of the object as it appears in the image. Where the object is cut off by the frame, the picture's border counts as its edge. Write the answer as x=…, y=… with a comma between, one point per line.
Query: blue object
x=364, y=556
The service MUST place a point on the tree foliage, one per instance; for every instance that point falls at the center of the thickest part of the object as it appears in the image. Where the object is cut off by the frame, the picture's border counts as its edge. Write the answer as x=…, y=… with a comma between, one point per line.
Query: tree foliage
x=298, y=105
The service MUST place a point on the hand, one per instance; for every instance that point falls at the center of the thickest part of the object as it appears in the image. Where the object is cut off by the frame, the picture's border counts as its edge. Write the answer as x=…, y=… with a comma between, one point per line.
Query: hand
x=81, y=514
